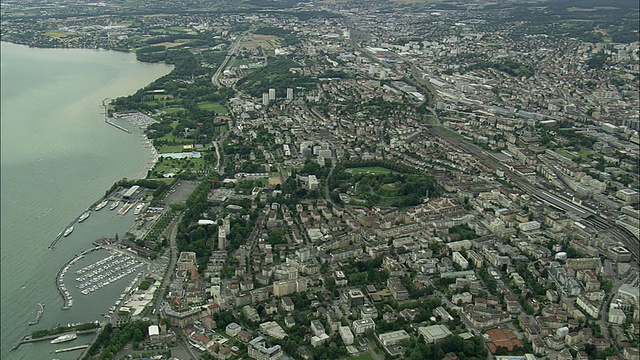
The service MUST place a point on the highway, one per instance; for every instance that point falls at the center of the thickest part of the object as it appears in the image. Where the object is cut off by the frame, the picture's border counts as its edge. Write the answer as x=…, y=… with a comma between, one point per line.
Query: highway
x=215, y=79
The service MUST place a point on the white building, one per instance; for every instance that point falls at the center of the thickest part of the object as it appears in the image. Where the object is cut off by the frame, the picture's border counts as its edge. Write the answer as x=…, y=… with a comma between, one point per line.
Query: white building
x=346, y=335
x=434, y=333
x=393, y=337
x=257, y=350
x=360, y=326
x=460, y=260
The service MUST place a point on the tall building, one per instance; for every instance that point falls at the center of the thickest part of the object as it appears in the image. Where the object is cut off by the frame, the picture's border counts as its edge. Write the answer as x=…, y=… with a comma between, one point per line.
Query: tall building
x=265, y=99
x=272, y=94
x=222, y=238
x=289, y=94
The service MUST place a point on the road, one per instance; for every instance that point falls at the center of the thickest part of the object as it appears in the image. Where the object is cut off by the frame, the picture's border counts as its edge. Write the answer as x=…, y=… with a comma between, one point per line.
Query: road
x=215, y=79
x=173, y=257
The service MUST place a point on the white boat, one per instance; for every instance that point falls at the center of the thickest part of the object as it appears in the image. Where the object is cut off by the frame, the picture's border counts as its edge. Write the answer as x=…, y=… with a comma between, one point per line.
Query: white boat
x=138, y=209
x=64, y=338
x=68, y=231
x=101, y=205
x=114, y=205
x=84, y=216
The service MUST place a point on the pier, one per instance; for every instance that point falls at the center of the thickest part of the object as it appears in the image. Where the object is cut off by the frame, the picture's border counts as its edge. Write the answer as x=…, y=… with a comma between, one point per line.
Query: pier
x=60, y=235
x=28, y=339
x=38, y=316
x=72, y=348
x=116, y=125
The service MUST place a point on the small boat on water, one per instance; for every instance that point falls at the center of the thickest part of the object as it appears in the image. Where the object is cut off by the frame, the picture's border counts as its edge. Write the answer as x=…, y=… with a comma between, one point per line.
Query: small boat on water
x=101, y=205
x=84, y=216
x=114, y=205
x=138, y=209
x=68, y=231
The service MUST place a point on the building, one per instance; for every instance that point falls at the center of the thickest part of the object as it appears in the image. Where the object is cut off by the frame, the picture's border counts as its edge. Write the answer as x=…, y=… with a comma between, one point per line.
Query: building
x=393, y=337
x=265, y=99
x=272, y=94
x=361, y=326
x=289, y=94
x=588, y=306
x=222, y=238
x=154, y=333
x=398, y=291
x=313, y=182
x=129, y=193
x=187, y=261
x=434, y=333
x=317, y=327
x=346, y=335
x=272, y=329
x=233, y=329
x=258, y=349
x=353, y=297
x=460, y=260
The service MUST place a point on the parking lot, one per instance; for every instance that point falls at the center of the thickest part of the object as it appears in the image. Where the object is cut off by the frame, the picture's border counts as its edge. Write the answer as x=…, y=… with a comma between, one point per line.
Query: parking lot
x=180, y=192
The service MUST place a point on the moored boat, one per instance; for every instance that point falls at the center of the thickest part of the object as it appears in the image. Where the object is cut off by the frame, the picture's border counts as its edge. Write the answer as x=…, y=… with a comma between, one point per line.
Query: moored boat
x=68, y=231
x=101, y=205
x=114, y=205
x=84, y=216
x=64, y=338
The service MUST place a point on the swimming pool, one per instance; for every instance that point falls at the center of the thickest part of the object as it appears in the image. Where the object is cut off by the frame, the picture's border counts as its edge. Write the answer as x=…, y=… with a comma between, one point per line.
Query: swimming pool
x=182, y=155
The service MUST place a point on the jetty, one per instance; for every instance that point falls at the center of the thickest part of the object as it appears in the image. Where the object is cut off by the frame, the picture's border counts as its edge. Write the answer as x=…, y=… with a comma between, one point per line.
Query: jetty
x=117, y=126
x=72, y=348
x=38, y=315
x=60, y=235
x=28, y=339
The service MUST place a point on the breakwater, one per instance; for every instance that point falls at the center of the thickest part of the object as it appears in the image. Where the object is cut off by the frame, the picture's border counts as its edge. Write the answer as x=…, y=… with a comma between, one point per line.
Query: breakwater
x=66, y=296
x=38, y=315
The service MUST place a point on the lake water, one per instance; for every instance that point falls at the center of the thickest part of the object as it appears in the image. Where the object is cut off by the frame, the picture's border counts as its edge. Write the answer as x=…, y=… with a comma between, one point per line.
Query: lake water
x=58, y=157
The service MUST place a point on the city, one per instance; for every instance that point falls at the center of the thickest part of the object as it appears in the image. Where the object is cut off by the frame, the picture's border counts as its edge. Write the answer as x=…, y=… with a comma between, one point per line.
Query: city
x=377, y=180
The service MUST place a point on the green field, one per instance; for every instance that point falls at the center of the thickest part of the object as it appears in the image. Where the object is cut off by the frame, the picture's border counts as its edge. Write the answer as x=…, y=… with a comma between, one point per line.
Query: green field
x=365, y=356
x=173, y=110
x=168, y=165
x=565, y=154
x=370, y=170
x=212, y=106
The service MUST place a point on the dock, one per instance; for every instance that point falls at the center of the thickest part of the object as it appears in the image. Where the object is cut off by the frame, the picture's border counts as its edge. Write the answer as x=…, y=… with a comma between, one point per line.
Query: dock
x=72, y=348
x=60, y=235
x=38, y=316
x=28, y=339
x=116, y=125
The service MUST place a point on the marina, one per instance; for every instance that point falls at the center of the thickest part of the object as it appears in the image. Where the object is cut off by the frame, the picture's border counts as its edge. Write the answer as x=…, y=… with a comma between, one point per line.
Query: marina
x=105, y=272
x=66, y=296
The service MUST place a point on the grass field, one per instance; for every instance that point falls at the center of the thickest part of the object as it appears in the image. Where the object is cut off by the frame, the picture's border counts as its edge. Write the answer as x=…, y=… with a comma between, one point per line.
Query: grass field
x=370, y=170
x=175, y=165
x=365, y=356
x=56, y=34
x=213, y=106
x=173, y=111
x=565, y=154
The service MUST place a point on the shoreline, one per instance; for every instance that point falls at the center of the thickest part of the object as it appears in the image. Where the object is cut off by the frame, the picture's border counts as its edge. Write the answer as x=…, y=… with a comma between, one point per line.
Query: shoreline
x=140, y=164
